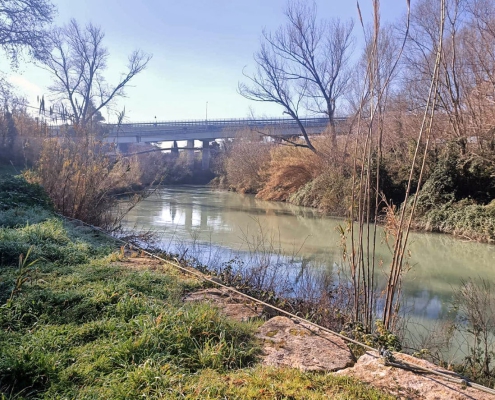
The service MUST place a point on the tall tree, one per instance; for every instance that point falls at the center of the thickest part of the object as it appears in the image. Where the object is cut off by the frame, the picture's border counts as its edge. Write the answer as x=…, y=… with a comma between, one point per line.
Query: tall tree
x=304, y=65
x=21, y=26
x=77, y=59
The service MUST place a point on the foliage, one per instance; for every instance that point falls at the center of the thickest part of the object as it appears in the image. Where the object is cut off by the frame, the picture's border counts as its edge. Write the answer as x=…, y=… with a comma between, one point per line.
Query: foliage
x=289, y=169
x=21, y=136
x=81, y=178
x=380, y=338
x=464, y=219
x=149, y=166
x=475, y=306
x=458, y=197
x=329, y=192
x=8, y=130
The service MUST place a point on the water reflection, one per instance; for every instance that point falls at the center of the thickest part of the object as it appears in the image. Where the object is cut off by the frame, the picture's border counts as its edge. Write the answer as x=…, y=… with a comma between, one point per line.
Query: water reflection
x=224, y=222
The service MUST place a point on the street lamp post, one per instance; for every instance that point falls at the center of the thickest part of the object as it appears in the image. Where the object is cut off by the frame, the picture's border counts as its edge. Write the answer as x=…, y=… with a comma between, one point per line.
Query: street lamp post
x=207, y=112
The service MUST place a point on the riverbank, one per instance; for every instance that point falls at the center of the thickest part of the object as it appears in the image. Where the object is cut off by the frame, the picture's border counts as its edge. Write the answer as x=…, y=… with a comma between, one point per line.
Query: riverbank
x=82, y=318
x=457, y=196
x=79, y=319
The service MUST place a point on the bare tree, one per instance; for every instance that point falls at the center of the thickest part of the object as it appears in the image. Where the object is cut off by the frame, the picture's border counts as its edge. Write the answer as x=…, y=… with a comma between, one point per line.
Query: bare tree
x=21, y=25
x=304, y=65
x=77, y=58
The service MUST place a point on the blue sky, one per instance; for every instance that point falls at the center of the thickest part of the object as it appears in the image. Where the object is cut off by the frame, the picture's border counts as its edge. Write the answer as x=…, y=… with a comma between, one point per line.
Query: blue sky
x=199, y=51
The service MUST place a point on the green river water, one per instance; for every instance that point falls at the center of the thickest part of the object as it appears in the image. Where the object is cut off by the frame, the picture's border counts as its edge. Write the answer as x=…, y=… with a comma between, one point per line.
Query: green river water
x=221, y=223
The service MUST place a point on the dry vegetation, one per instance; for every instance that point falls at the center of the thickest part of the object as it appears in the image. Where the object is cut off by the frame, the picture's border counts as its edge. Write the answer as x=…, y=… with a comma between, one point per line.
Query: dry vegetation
x=388, y=98
x=244, y=162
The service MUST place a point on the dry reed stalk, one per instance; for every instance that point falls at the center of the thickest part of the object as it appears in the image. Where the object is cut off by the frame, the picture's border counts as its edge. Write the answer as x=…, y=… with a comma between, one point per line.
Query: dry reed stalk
x=394, y=281
x=363, y=252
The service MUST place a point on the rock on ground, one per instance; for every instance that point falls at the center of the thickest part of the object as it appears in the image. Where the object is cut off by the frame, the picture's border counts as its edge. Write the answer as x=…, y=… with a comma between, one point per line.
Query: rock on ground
x=231, y=304
x=299, y=345
x=409, y=385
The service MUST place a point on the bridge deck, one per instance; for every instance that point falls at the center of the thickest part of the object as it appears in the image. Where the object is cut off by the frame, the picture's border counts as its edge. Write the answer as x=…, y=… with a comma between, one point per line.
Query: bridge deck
x=207, y=129
x=239, y=122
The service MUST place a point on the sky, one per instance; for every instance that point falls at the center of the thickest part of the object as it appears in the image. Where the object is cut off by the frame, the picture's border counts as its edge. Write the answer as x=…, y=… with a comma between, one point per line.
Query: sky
x=200, y=49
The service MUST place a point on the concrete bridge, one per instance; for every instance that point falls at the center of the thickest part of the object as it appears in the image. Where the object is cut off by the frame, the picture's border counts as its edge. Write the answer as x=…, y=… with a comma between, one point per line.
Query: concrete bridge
x=153, y=132
x=205, y=131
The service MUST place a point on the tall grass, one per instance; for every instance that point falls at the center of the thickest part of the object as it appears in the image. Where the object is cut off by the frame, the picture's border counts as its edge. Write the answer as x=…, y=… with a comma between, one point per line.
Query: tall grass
x=82, y=176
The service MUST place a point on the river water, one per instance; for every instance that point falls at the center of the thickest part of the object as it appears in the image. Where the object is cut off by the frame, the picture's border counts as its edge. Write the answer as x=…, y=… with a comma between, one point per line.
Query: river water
x=220, y=223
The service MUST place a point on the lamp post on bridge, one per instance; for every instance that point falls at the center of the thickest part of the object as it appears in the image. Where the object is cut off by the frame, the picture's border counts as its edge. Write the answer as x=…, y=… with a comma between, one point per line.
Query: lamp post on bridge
x=206, y=113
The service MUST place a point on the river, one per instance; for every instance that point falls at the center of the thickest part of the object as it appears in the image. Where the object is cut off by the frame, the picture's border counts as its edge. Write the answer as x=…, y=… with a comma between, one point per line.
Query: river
x=216, y=224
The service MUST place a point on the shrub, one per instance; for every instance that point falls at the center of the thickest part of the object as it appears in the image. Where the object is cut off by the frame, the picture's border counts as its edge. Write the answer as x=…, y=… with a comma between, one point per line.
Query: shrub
x=80, y=175
x=245, y=161
x=289, y=169
x=475, y=305
x=329, y=192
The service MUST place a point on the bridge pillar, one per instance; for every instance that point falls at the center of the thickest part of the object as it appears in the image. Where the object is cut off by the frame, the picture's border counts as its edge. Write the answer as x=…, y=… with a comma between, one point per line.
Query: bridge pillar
x=175, y=149
x=190, y=152
x=205, y=161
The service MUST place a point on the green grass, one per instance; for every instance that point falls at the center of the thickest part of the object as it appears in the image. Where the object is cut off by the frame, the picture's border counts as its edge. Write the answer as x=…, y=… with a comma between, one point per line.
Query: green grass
x=84, y=325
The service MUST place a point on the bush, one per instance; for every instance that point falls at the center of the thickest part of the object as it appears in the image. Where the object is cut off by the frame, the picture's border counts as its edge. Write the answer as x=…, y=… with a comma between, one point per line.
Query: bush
x=458, y=197
x=465, y=219
x=474, y=303
x=21, y=138
x=289, y=169
x=80, y=175
x=456, y=177
x=329, y=192
x=245, y=161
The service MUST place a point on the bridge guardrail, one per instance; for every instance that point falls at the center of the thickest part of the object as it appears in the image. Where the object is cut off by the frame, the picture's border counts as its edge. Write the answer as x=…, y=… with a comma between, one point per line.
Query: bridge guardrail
x=228, y=122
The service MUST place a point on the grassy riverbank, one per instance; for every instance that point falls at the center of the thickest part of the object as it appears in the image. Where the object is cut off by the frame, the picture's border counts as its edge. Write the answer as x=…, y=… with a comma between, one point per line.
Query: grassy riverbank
x=79, y=319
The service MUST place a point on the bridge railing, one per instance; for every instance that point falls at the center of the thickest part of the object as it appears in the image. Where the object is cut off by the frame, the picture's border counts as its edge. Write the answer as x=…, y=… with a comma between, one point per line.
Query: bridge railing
x=212, y=126
x=225, y=123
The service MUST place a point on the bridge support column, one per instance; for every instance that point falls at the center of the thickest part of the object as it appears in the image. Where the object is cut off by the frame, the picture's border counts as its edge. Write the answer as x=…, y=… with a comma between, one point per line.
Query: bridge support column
x=175, y=149
x=205, y=161
x=190, y=153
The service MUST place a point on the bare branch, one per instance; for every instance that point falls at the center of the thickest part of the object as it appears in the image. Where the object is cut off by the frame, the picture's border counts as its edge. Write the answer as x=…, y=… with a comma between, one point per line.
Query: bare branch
x=304, y=65
x=77, y=59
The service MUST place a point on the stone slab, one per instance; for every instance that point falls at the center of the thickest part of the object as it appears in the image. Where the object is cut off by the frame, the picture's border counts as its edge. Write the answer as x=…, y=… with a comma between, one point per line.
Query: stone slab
x=299, y=345
x=406, y=384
